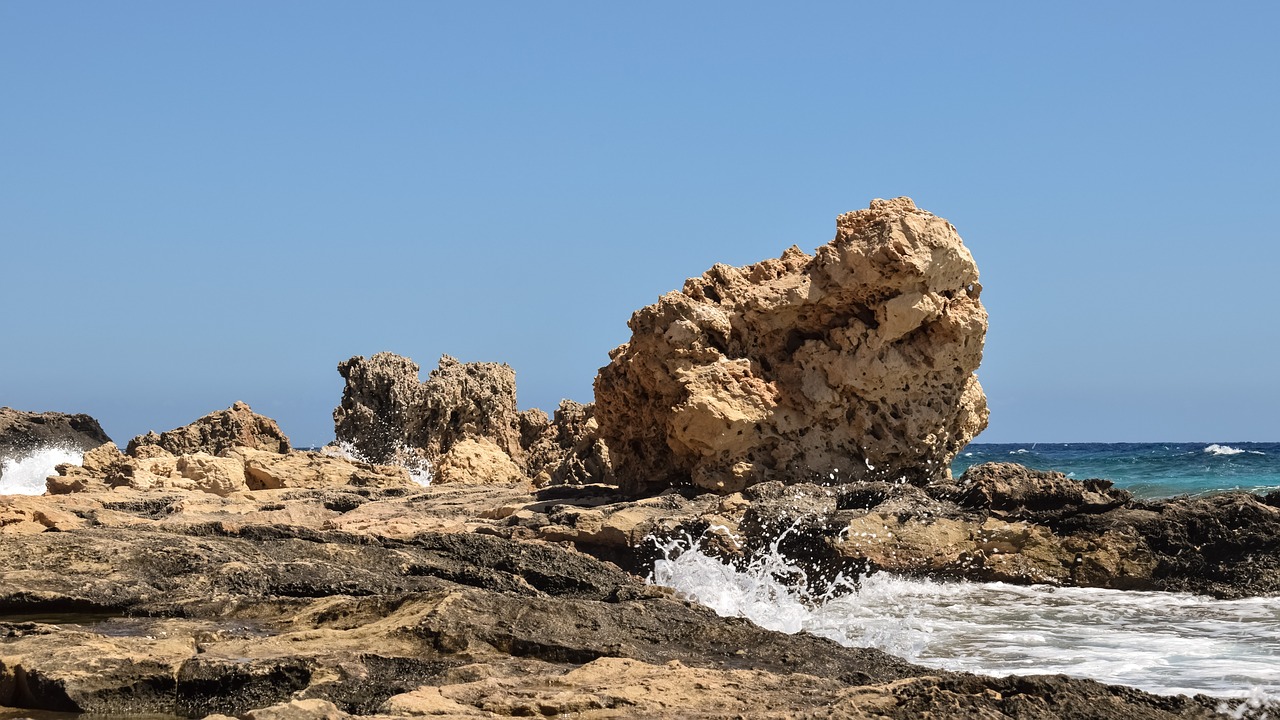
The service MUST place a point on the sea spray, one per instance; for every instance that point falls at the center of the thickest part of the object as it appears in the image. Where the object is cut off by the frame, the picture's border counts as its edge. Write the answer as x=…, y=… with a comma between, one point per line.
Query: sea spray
x=26, y=475
x=1160, y=642
x=419, y=469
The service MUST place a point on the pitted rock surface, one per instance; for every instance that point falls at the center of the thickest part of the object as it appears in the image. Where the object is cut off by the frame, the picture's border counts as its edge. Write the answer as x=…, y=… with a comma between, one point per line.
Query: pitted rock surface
x=237, y=426
x=386, y=413
x=859, y=359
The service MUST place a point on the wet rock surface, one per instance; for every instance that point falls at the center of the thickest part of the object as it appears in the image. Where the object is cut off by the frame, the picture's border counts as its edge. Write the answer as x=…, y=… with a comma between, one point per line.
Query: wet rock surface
x=21, y=433
x=860, y=357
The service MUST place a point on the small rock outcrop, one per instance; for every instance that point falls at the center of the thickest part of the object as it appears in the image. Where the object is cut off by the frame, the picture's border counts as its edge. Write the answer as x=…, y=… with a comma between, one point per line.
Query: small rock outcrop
x=236, y=469
x=387, y=413
x=565, y=449
x=859, y=359
x=237, y=426
x=21, y=433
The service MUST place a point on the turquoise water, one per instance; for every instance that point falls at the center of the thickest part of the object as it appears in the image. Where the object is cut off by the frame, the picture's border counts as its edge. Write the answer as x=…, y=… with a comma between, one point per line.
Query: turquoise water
x=1148, y=470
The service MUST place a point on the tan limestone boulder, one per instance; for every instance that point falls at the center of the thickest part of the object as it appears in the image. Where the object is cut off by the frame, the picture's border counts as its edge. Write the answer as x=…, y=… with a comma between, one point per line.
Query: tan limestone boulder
x=218, y=431
x=217, y=475
x=266, y=470
x=477, y=461
x=859, y=358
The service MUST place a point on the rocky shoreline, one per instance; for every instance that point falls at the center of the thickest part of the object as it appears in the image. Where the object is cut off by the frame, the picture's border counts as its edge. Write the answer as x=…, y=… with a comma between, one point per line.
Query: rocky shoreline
x=384, y=599
x=809, y=404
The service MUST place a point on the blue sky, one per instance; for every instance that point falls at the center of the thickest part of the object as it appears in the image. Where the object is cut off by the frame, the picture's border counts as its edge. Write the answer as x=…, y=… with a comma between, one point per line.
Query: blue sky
x=209, y=202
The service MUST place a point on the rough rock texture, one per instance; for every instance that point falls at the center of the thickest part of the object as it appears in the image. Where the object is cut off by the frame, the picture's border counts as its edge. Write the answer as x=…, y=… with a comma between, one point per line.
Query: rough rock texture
x=1004, y=522
x=386, y=412
x=238, y=469
x=238, y=425
x=23, y=432
x=565, y=450
x=271, y=604
x=859, y=358
x=476, y=460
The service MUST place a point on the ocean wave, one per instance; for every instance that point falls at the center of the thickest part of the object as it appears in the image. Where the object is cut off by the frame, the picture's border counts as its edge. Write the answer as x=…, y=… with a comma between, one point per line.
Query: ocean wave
x=1216, y=449
x=1157, y=641
x=26, y=476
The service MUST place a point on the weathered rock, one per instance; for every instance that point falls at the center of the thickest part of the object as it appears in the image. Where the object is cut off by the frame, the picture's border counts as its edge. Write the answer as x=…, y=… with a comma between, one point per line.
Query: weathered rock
x=567, y=450
x=21, y=433
x=477, y=461
x=859, y=358
x=270, y=471
x=1004, y=522
x=350, y=600
x=216, y=432
x=386, y=412
x=1014, y=491
x=238, y=469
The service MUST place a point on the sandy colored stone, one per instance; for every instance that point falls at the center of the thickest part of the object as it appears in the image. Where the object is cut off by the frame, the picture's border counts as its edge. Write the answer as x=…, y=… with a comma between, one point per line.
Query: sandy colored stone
x=216, y=432
x=216, y=475
x=427, y=701
x=308, y=469
x=477, y=461
x=858, y=358
x=312, y=709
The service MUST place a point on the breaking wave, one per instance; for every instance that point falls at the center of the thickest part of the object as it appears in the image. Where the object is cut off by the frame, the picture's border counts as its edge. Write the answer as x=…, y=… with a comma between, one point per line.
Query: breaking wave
x=26, y=476
x=1161, y=642
x=1228, y=450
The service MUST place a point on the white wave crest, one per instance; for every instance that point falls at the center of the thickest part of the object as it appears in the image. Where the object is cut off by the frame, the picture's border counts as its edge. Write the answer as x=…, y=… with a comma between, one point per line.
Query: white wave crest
x=1160, y=642
x=1216, y=449
x=26, y=476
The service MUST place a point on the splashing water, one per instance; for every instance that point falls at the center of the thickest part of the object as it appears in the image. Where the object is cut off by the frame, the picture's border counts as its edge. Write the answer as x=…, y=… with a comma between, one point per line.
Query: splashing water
x=26, y=476
x=1161, y=642
x=419, y=469
x=1228, y=450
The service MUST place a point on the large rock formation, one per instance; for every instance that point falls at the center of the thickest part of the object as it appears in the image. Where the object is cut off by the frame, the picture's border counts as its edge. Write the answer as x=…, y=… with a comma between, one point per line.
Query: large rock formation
x=387, y=413
x=237, y=426
x=857, y=360
x=21, y=433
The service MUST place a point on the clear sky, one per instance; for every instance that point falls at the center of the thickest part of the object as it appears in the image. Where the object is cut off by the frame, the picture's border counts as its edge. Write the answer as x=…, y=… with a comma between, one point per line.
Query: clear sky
x=209, y=202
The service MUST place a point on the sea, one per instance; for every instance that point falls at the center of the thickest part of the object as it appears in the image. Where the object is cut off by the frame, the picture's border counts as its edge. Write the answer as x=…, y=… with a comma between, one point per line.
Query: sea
x=1167, y=643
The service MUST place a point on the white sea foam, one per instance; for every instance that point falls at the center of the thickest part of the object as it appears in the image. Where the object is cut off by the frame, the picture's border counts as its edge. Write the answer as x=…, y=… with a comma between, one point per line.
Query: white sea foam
x=1228, y=450
x=1020, y=451
x=1160, y=642
x=419, y=471
x=26, y=476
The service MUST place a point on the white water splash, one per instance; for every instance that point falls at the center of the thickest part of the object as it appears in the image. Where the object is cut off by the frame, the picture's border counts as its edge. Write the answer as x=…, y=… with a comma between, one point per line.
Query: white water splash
x=1228, y=450
x=26, y=476
x=1258, y=705
x=419, y=471
x=1166, y=643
